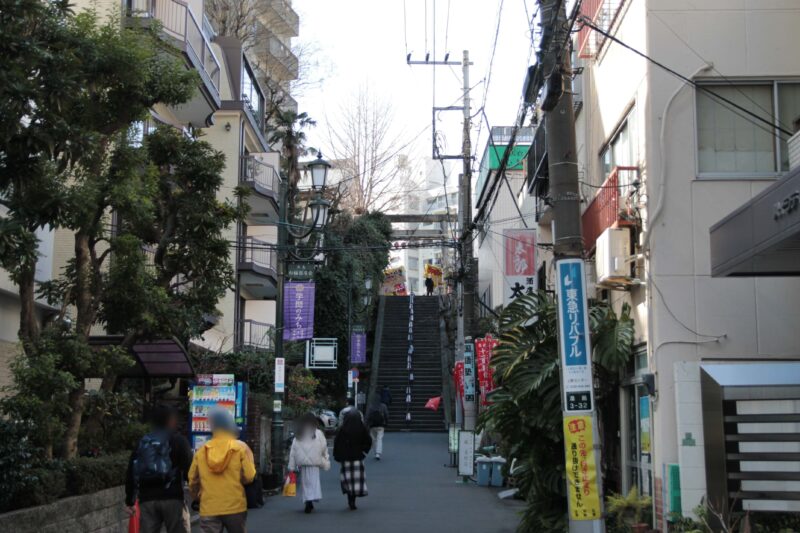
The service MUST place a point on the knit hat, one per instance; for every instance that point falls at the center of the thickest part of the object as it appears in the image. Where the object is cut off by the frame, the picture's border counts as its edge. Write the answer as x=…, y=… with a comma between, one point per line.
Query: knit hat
x=222, y=419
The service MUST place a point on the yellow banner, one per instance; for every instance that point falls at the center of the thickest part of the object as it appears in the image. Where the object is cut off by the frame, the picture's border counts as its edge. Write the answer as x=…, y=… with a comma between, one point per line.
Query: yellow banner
x=584, y=494
x=435, y=273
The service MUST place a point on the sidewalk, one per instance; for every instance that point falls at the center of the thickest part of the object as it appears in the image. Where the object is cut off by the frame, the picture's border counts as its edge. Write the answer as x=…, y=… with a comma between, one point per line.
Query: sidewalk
x=410, y=491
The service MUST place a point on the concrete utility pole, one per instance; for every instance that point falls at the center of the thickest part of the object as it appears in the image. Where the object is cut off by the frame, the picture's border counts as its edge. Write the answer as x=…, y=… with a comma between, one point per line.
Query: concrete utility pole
x=577, y=401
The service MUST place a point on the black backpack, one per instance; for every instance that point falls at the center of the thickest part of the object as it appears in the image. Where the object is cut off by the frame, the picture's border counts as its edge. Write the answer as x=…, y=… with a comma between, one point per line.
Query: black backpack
x=153, y=465
x=376, y=419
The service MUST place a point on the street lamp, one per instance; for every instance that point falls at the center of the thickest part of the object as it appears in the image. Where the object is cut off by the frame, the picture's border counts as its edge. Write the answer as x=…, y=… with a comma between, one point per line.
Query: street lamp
x=319, y=209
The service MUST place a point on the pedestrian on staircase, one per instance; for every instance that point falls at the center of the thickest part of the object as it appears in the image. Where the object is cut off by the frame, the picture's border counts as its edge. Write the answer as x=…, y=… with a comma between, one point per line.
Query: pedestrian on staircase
x=386, y=395
x=351, y=445
x=429, y=285
x=308, y=454
x=378, y=419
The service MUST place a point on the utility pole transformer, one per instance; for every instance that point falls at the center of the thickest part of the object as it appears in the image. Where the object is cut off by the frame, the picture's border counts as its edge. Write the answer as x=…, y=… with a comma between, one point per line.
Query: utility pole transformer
x=578, y=406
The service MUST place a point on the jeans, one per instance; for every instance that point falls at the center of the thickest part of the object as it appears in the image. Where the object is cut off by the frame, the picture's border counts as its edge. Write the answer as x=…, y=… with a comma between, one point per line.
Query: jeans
x=377, y=440
x=173, y=514
x=233, y=523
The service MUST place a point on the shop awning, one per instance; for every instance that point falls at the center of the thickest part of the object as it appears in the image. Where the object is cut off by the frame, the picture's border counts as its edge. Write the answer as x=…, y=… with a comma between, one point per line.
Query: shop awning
x=162, y=358
x=762, y=237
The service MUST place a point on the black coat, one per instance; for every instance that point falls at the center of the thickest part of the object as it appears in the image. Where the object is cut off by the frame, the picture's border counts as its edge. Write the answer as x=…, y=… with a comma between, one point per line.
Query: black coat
x=352, y=442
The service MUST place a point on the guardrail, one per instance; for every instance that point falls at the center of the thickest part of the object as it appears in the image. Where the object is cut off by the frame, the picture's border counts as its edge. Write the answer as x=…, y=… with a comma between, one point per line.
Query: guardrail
x=258, y=252
x=257, y=334
x=259, y=173
x=604, y=210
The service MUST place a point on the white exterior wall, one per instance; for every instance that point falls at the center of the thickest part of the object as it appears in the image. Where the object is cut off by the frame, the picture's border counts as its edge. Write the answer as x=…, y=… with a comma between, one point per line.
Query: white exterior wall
x=743, y=39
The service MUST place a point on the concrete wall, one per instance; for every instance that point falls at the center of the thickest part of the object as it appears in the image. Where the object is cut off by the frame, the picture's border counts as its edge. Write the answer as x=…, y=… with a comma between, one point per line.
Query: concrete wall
x=100, y=512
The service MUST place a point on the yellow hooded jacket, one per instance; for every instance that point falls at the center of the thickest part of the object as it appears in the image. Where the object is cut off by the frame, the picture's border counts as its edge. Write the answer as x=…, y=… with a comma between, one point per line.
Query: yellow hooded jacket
x=218, y=472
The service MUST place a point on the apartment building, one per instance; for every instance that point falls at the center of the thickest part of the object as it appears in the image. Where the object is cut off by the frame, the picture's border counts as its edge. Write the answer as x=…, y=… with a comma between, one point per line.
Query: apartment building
x=709, y=406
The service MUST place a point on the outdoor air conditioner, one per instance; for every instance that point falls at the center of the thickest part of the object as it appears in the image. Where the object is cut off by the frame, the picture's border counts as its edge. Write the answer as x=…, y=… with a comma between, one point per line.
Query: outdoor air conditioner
x=613, y=259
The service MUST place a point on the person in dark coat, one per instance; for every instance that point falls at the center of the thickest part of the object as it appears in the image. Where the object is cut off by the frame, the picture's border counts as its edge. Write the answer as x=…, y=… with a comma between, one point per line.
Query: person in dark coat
x=386, y=395
x=162, y=503
x=350, y=447
x=429, y=285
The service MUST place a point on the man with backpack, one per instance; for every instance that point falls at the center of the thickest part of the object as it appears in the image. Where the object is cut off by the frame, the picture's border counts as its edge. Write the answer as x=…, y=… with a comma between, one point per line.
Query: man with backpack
x=377, y=420
x=156, y=472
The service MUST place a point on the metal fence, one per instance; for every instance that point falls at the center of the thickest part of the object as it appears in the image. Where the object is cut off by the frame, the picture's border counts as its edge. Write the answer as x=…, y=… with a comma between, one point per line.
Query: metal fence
x=257, y=334
x=258, y=253
x=259, y=173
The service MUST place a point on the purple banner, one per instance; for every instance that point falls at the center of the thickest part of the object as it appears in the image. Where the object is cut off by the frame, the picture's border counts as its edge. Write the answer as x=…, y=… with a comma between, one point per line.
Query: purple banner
x=358, y=348
x=298, y=311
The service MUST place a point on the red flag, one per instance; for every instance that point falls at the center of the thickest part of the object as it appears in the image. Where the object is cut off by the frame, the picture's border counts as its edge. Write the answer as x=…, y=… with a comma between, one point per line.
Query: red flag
x=433, y=403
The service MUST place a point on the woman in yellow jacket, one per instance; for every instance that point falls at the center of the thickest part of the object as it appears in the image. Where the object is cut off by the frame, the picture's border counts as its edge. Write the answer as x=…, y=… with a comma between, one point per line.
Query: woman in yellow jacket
x=219, y=471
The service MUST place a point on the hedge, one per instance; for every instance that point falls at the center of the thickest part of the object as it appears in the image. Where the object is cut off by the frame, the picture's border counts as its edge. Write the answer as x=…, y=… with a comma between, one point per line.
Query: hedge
x=58, y=479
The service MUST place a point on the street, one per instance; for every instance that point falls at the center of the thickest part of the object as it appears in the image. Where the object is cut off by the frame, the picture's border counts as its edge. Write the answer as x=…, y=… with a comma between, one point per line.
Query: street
x=410, y=489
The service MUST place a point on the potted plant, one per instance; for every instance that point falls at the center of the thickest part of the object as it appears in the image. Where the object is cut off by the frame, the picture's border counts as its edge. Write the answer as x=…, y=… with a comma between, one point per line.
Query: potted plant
x=628, y=510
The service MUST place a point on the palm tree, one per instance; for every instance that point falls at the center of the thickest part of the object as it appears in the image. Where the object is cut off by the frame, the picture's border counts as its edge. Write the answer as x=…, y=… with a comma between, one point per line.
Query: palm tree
x=525, y=412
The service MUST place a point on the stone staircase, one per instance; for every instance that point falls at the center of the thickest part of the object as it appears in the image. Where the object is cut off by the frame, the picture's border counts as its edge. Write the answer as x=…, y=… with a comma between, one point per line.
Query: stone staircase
x=427, y=366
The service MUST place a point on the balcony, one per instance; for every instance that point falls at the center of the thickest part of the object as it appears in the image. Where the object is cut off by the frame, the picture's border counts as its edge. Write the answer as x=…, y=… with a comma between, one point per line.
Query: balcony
x=282, y=64
x=604, y=14
x=283, y=18
x=257, y=335
x=264, y=182
x=258, y=271
x=607, y=209
x=181, y=27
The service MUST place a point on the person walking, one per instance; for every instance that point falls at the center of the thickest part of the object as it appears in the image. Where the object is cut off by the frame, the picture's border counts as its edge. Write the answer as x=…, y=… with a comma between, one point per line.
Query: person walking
x=351, y=406
x=378, y=419
x=386, y=395
x=309, y=453
x=218, y=474
x=351, y=445
x=155, y=476
x=429, y=285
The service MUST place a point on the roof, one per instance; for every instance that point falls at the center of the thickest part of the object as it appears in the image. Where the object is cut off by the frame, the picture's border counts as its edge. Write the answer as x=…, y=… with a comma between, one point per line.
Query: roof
x=161, y=358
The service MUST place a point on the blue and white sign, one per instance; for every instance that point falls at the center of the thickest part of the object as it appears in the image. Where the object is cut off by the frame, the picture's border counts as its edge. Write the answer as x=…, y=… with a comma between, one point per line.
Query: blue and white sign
x=469, y=372
x=574, y=336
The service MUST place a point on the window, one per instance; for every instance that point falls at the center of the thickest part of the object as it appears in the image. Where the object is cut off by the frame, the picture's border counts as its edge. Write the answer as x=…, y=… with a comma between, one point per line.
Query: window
x=618, y=152
x=251, y=92
x=413, y=263
x=730, y=142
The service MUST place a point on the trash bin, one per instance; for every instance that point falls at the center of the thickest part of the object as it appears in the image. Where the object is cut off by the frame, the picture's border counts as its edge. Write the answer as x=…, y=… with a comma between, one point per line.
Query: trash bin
x=484, y=471
x=497, y=471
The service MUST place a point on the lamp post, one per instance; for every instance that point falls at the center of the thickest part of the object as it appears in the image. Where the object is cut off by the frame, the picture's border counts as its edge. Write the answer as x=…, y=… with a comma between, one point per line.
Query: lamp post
x=319, y=208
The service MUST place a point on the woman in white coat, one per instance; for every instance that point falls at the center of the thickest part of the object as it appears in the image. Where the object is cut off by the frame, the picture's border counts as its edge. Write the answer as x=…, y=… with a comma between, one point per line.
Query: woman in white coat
x=308, y=454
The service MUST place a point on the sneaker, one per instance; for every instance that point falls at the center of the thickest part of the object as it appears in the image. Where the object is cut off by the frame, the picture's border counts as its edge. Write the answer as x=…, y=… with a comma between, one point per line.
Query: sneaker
x=309, y=507
x=377, y=457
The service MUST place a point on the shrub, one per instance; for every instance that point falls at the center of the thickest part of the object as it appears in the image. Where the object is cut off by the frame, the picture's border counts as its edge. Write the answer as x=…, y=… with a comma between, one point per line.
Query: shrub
x=112, y=423
x=18, y=456
x=91, y=474
x=41, y=485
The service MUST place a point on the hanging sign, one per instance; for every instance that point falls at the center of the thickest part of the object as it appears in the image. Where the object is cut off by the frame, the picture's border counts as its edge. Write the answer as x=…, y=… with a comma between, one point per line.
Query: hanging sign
x=483, y=358
x=280, y=374
x=350, y=378
x=574, y=340
x=358, y=346
x=300, y=270
x=298, y=311
x=520, y=263
x=469, y=373
x=458, y=377
x=584, y=493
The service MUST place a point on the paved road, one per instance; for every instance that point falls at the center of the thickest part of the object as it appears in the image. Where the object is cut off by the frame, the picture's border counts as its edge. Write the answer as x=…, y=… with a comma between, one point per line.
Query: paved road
x=410, y=491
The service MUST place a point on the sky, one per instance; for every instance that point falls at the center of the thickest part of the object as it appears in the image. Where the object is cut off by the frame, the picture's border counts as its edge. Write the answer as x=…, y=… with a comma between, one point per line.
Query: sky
x=361, y=42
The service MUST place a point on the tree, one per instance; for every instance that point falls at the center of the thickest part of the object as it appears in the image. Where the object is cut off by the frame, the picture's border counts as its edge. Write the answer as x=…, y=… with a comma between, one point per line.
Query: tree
x=67, y=162
x=374, y=174
x=526, y=406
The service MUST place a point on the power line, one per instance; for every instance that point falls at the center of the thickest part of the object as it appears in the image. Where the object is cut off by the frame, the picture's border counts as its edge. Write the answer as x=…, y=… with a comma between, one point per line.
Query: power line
x=447, y=27
x=405, y=26
x=505, y=178
x=700, y=87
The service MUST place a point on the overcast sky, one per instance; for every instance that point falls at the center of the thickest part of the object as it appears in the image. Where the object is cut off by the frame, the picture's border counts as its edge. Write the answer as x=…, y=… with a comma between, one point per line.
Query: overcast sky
x=364, y=41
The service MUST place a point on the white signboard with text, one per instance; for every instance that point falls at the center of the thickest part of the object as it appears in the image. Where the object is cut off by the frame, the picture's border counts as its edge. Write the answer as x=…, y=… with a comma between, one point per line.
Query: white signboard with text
x=280, y=374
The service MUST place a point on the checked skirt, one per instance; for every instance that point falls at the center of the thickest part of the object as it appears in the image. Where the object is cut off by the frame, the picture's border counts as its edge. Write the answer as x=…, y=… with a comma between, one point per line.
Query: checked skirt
x=353, y=478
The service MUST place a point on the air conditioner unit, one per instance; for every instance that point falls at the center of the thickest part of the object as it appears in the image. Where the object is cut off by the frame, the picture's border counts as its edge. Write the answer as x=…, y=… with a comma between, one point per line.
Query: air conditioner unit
x=612, y=256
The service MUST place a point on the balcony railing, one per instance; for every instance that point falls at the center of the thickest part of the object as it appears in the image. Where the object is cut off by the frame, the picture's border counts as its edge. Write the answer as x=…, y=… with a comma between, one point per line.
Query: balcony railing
x=283, y=55
x=607, y=210
x=603, y=13
x=285, y=14
x=178, y=22
x=259, y=174
x=258, y=253
x=257, y=334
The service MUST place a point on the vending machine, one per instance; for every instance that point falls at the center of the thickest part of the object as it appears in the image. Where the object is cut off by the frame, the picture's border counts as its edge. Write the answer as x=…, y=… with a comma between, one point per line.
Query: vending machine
x=213, y=391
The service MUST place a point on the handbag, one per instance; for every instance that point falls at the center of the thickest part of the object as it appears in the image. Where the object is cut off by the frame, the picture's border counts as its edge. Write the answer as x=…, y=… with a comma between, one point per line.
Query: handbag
x=290, y=485
x=135, y=520
x=254, y=493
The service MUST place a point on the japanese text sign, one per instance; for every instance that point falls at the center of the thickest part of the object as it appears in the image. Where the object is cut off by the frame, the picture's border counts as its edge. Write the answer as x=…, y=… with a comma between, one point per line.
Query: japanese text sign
x=582, y=486
x=520, y=263
x=298, y=311
x=280, y=374
x=483, y=358
x=358, y=346
x=574, y=337
x=469, y=373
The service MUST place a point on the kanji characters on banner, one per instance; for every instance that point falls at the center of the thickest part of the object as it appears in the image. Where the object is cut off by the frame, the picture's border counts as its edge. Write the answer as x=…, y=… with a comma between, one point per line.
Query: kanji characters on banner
x=483, y=358
x=298, y=311
x=520, y=263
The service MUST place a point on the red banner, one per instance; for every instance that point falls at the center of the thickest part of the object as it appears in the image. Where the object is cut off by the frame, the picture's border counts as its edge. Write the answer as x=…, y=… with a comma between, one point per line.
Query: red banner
x=483, y=358
x=458, y=376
